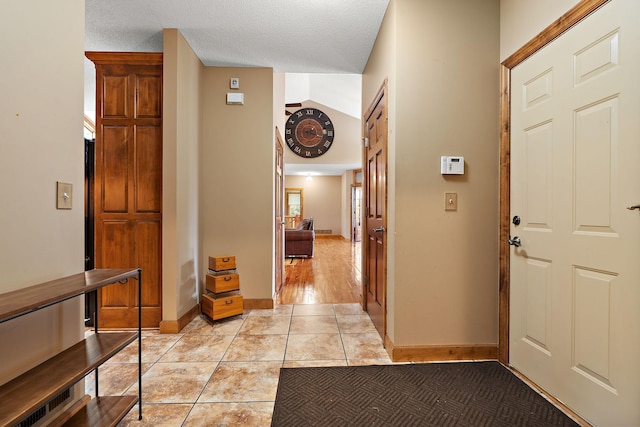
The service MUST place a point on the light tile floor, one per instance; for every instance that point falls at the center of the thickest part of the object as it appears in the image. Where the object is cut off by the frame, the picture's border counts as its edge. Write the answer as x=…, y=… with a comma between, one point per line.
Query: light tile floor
x=226, y=373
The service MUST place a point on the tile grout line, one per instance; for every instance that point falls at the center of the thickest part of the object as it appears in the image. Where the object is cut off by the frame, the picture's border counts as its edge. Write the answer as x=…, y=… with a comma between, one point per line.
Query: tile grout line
x=346, y=357
x=286, y=344
x=219, y=361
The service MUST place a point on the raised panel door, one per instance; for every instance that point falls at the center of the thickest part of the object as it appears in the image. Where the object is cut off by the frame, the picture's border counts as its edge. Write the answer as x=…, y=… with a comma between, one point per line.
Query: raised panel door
x=128, y=204
x=375, y=212
x=574, y=161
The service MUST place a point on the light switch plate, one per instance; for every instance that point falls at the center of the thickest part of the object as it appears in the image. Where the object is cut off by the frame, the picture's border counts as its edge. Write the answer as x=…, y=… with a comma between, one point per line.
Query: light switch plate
x=450, y=201
x=64, y=197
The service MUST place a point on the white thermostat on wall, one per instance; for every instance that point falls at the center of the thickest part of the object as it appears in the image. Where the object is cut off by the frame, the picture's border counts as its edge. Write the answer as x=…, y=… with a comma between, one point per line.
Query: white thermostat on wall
x=452, y=165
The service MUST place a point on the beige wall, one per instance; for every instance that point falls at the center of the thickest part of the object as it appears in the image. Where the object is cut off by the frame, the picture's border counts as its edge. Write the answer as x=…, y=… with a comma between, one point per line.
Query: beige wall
x=346, y=147
x=521, y=20
x=382, y=66
x=181, y=136
x=41, y=142
x=236, y=176
x=278, y=102
x=322, y=200
x=445, y=264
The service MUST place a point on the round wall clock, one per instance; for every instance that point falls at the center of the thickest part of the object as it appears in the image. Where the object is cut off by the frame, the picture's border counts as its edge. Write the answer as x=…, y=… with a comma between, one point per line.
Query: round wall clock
x=309, y=132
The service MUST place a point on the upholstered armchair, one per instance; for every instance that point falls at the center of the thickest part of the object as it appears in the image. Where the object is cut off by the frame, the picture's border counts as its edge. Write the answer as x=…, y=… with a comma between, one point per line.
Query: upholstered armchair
x=298, y=242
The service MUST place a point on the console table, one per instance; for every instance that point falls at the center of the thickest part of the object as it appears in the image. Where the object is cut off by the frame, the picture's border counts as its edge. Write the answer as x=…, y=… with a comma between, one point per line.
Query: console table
x=33, y=389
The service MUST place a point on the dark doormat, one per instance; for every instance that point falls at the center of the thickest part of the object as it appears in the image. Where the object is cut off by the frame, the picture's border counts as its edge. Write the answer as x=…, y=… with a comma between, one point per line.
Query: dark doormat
x=428, y=394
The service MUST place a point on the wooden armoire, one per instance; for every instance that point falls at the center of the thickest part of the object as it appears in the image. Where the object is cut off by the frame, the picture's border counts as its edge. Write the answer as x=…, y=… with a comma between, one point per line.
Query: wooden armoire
x=128, y=183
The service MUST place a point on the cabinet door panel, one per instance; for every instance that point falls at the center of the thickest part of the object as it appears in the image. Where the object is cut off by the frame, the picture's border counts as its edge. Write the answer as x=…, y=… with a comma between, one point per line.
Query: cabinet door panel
x=148, y=157
x=116, y=89
x=114, y=168
x=147, y=235
x=114, y=254
x=149, y=99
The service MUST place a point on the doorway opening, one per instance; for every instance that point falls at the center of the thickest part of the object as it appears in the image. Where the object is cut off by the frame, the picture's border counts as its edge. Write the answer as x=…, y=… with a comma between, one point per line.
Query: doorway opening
x=356, y=206
x=89, y=240
x=322, y=135
x=321, y=263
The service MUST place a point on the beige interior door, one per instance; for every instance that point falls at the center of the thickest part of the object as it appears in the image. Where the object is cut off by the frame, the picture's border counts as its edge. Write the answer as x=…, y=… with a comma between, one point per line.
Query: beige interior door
x=575, y=157
x=374, y=283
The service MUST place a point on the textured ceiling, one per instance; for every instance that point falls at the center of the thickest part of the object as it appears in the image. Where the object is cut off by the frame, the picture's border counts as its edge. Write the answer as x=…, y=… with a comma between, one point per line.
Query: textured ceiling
x=333, y=37
x=322, y=36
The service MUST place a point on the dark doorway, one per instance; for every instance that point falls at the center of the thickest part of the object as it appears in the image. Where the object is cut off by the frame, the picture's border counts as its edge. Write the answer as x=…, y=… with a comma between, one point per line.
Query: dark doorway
x=89, y=259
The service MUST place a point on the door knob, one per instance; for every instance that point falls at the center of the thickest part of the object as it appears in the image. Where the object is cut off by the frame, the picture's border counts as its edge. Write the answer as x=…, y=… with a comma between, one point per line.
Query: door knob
x=378, y=230
x=634, y=207
x=515, y=242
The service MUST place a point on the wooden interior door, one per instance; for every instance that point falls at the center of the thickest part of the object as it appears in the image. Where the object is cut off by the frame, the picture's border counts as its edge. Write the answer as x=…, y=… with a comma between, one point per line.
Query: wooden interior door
x=574, y=265
x=279, y=212
x=375, y=250
x=128, y=183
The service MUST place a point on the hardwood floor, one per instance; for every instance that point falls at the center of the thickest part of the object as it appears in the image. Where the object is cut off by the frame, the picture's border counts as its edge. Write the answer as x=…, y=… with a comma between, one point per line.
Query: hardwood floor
x=332, y=276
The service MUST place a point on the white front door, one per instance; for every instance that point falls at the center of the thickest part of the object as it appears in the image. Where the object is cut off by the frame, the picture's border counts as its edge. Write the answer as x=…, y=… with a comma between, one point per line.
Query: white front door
x=575, y=168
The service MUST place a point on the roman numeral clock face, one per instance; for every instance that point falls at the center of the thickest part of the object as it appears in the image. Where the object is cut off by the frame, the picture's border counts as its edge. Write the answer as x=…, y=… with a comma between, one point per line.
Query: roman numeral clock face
x=309, y=132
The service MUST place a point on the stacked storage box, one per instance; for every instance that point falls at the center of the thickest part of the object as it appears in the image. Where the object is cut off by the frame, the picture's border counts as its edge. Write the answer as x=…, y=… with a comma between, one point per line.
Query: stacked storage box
x=222, y=296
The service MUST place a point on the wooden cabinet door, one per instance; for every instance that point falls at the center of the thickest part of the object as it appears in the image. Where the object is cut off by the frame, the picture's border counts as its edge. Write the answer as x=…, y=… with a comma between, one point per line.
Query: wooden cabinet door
x=128, y=184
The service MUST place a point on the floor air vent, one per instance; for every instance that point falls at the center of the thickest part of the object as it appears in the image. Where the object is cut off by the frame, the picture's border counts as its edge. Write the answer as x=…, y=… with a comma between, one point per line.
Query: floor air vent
x=41, y=412
x=59, y=399
x=324, y=231
x=35, y=416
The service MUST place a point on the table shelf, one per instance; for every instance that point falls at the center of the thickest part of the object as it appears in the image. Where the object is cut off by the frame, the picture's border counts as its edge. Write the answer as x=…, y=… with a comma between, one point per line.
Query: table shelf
x=102, y=411
x=24, y=301
x=31, y=390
